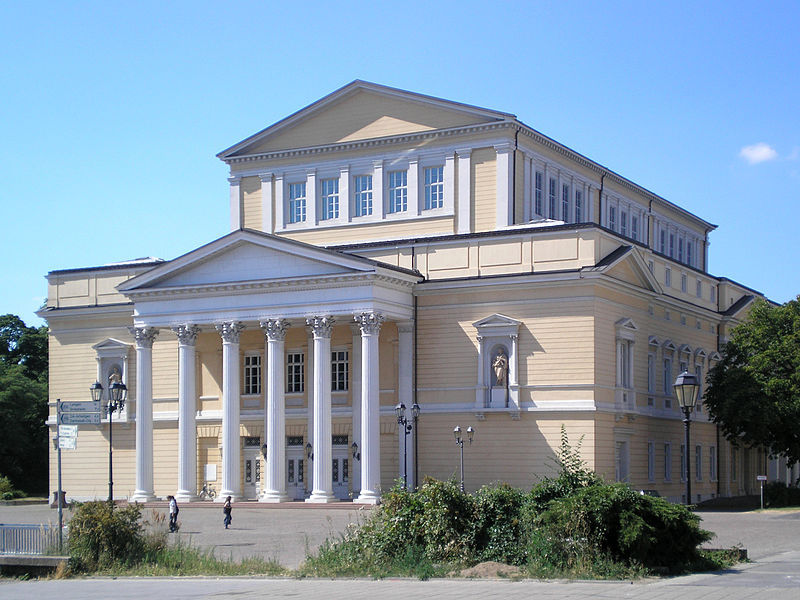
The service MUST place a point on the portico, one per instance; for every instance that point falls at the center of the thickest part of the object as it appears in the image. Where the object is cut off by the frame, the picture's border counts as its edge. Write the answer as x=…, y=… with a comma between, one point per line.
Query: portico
x=249, y=281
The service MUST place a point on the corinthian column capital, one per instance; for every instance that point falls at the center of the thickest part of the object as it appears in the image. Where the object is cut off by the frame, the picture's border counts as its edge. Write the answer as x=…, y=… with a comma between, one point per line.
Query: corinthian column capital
x=144, y=336
x=229, y=332
x=320, y=326
x=274, y=329
x=370, y=322
x=187, y=334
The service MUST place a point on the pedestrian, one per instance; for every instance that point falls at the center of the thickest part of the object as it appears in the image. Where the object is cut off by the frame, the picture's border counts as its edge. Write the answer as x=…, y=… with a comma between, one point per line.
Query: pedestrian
x=226, y=509
x=173, y=514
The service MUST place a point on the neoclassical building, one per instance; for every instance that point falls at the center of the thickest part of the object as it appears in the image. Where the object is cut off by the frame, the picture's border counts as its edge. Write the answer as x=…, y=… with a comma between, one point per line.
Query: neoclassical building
x=387, y=248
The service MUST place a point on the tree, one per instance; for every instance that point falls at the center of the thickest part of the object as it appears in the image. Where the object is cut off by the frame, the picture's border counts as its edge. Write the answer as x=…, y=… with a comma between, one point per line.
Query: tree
x=23, y=404
x=754, y=391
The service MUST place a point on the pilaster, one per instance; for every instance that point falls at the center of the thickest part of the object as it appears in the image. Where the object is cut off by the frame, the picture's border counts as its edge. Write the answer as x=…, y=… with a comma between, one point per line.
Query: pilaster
x=236, y=202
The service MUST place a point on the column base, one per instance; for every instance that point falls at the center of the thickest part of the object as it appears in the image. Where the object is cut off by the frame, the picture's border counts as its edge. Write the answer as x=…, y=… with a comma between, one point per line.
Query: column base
x=318, y=497
x=274, y=497
x=366, y=497
x=186, y=497
x=142, y=496
x=223, y=495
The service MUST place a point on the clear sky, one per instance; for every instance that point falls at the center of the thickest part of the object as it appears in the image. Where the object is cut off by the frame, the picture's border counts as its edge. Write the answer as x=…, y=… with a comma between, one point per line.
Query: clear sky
x=111, y=113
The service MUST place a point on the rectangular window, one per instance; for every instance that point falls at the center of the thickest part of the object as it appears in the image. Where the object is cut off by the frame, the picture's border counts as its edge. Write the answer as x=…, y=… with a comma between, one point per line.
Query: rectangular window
x=297, y=202
x=651, y=461
x=672, y=245
x=667, y=383
x=698, y=463
x=295, y=373
x=667, y=461
x=689, y=253
x=623, y=223
x=625, y=367
x=398, y=191
x=578, y=206
x=363, y=195
x=698, y=372
x=684, y=282
x=434, y=187
x=712, y=463
x=339, y=371
x=538, y=194
x=662, y=246
x=668, y=277
x=565, y=203
x=683, y=462
x=680, y=249
x=252, y=374
x=699, y=289
x=612, y=218
x=330, y=198
x=651, y=373
x=553, y=198
x=635, y=227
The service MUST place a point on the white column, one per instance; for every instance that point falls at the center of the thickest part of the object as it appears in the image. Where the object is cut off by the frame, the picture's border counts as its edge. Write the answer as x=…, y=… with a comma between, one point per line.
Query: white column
x=231, y=448
x=378, y=208
x=279, y=221
x=449, y=174
x=323, y=479
x=236, y=202
x=309, y=387
x=266, y=203
x=144, y=337
x=344, y=194
x=355, y=395
x=370, y=408
x=413, y=185
x=275, y=415
x=405, y=382
x=311, y=197
x=505, y=183
x=187, y=413
x=463, y=202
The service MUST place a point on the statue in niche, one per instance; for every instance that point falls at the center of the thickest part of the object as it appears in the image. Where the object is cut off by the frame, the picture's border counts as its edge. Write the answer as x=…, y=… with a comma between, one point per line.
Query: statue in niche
x=500, y=366
x=114, y=376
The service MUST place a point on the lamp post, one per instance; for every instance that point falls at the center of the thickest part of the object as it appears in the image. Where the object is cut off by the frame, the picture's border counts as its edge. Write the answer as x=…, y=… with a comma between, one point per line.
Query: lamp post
x=460, y=442
x=400, y=411
x=117, y=394
x=686, y=387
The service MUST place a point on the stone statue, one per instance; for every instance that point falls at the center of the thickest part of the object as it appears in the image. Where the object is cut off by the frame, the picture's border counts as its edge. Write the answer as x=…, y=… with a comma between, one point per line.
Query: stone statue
x=500, y=366
x=115, y=376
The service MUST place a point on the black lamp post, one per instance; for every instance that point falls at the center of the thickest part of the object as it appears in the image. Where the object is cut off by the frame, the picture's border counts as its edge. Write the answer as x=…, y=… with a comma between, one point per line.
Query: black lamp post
x=400, y=411
x=117, y=394
x=460, y=442
x=686, y=387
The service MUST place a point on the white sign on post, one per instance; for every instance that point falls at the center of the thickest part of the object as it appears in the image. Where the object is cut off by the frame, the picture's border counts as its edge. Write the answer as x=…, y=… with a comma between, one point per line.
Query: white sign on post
x=89, y=418
x=67, y=443
x=80, y=407
x=67, y=431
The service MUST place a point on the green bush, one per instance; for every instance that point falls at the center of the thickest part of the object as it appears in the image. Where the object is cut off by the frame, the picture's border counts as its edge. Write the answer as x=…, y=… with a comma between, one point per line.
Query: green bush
x=777, y=494
x=7, y=491
x=102, y=535
x=497, y=525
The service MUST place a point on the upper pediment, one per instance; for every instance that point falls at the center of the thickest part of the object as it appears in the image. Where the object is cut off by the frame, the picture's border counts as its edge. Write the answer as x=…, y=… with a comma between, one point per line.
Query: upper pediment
x=626, y=264
x=246, y=256
x=361, y=111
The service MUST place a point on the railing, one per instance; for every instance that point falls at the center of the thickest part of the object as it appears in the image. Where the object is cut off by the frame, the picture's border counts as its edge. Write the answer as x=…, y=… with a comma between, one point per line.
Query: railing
x=28, y=539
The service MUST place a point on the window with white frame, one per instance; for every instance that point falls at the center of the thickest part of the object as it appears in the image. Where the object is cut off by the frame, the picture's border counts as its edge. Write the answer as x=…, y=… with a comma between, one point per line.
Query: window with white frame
x=683, y=462
x=297, y=202
x=672, y=245
x=690, y=253
x=635, y=227
x=340, y=367
x=680, y=249
x=295, y=373
x=434, y=187
x=578, y=206
x=698, y=462
x=625, y=364
x=623, y=223
x=398, y=191
x=662, y=242
x=252, y=374
x=667, y=382
x=651, y=461
x=362, y=195
x=538, y=193
x=667, y=461
x=651, y=379
x=668, y=277
x=612, y=218
x=699, y=289
x=565, y=202
x=553, y=198
x=712, y=463
x=329, y=190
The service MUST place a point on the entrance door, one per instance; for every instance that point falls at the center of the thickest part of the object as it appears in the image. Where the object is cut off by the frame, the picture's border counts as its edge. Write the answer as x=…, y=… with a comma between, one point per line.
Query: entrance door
x=341, y=473
x=252, y=473
x=295, y=473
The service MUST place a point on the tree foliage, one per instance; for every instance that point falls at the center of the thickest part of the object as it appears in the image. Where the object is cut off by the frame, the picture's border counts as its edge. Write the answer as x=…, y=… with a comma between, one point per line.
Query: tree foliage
x=754, y=391
x=23, y=404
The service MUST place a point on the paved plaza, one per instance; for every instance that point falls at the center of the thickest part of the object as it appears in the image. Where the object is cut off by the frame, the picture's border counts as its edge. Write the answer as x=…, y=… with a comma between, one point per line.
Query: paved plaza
x=286, y=533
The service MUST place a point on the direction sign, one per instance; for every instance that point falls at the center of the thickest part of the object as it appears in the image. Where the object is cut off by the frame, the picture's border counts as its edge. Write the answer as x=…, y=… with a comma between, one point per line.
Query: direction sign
x=89, y=418
x=80, y=407
x=66, y=431
x=67, y=443
x=761, y=477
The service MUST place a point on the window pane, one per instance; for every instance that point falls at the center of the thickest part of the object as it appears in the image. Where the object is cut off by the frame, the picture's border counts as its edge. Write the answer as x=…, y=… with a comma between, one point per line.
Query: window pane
x=297, y=202
x=434, y=187
x=363, y=195
x=398, y=191
x=538, y=193
x=330, y=199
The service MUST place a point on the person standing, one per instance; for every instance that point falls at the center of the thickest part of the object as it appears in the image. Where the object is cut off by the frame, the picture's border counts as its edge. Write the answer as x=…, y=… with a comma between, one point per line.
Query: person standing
x=226, y=509
x=173, y=514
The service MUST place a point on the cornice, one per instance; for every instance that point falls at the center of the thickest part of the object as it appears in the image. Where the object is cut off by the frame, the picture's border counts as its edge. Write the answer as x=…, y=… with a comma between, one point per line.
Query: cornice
x=371, y=143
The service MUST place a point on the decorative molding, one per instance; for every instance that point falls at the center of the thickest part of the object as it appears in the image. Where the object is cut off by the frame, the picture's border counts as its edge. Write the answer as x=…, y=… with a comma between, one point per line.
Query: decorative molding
x=229, y=331
x=144, y=336
x=370, y=322
x=275, y=329
x=187, y=334
x=321, y=326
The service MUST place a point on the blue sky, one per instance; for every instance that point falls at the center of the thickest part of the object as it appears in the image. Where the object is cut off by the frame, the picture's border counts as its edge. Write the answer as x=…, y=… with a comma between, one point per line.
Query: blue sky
x=111, y=113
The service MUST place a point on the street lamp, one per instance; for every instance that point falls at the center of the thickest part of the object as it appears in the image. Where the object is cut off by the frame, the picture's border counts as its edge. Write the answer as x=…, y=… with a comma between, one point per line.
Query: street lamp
x=400, y=411
x=686, y=387
x=460, y=442
x=117, y=394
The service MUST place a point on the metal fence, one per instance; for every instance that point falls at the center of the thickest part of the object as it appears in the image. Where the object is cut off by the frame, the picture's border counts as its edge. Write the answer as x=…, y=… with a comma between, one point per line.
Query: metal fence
x=29, y=539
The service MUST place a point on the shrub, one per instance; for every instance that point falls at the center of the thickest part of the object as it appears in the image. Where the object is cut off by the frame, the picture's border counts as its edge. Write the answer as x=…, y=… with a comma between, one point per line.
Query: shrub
x=7, y=491
x=777, y=494
x=497, y=527
x=102, y=535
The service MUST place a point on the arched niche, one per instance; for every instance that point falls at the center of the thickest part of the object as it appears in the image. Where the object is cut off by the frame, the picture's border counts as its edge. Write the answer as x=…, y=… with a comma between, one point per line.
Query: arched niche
x=497, y=336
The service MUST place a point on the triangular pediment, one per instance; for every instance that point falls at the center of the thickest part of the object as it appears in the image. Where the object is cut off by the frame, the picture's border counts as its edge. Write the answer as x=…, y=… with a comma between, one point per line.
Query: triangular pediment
x=626, y=264
x=360, y=111
x=111, y=345
x=497, y=325
x=247, y=256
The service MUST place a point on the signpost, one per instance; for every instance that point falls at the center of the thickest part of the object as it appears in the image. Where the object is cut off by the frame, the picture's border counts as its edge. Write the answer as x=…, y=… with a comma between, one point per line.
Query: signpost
x=761, y=479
